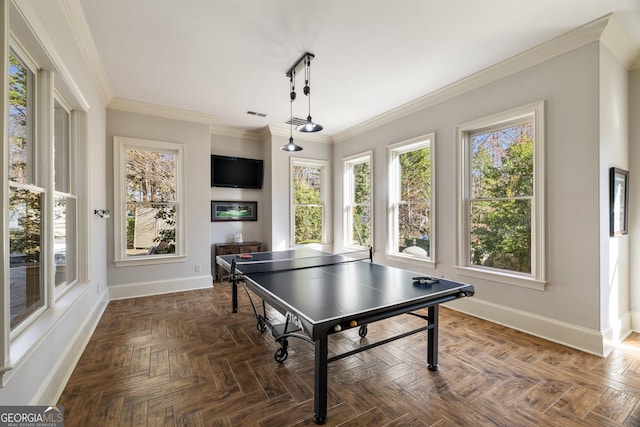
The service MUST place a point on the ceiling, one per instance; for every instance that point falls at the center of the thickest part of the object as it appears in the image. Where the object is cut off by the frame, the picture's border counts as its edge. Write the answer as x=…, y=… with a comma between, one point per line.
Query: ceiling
x=226, y=57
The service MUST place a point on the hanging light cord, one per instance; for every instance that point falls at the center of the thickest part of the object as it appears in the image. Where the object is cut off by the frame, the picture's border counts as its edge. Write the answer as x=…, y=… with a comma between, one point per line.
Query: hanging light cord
x=307, y=80
x=292, y=97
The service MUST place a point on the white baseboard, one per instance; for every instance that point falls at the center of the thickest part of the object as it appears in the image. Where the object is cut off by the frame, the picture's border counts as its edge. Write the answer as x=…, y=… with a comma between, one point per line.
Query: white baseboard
x=615, y=335
x=635, y=321
x=578, y=337
x=142, y=289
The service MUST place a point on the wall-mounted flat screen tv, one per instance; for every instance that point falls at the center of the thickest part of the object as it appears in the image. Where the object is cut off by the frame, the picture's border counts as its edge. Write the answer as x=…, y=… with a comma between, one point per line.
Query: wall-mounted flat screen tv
x=236, y=172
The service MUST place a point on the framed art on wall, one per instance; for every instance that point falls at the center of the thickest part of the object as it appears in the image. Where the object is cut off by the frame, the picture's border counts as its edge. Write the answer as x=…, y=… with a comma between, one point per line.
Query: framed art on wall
x=618, y=201
x=233, y=211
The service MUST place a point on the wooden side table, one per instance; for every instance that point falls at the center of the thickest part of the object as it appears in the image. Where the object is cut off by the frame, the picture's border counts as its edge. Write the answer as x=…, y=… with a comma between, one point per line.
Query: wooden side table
x=232, y=248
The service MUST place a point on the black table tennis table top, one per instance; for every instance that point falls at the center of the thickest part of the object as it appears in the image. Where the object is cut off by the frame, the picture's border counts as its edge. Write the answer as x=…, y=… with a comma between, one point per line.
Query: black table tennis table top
x=320, y=294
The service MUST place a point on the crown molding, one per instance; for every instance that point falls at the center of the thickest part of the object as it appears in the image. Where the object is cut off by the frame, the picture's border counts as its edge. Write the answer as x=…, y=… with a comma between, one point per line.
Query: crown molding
x=267, y=132
x=77, y=20
x=582, y=36
x=246, y=134
x=616, y=38
x=132, y=106
x=299, y=136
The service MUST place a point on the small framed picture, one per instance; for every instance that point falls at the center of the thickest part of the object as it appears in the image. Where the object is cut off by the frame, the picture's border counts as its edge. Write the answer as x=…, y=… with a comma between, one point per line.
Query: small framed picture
x=618, y=201
x=233, y=211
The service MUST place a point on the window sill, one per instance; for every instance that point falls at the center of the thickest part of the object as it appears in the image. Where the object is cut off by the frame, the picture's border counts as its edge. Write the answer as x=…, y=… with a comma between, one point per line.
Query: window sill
x=504, y=278
x=412, y=260
x=156, y=259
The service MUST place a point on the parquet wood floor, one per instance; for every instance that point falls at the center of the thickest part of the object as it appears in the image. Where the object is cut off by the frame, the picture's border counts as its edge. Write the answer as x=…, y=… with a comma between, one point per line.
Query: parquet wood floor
x=184, y=360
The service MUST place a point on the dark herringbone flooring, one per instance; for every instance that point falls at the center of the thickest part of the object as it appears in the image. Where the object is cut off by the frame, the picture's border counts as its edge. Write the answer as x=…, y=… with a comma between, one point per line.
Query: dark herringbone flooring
x=184, y=360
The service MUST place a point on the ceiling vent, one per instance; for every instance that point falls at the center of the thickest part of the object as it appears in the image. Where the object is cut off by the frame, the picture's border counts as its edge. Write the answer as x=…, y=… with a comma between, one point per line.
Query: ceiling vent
x=296, y=121
x=253, y=113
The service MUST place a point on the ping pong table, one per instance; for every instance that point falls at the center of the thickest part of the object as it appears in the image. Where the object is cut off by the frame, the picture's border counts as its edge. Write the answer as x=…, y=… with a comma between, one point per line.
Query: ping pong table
x=320, y=294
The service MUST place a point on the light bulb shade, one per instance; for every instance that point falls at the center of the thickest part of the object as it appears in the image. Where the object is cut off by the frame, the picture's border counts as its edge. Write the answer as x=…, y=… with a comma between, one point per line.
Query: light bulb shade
x=309, y=126
x=291, y=146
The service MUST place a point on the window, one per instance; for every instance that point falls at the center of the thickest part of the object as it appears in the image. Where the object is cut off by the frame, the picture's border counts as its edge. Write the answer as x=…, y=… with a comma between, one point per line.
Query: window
x=358, y=196
x=501, y=210
x=411, y=198
x=64, y=208
x=21, y=121
x=309, y=199
x=42, y=202
x=26, y=199
x=148, y=201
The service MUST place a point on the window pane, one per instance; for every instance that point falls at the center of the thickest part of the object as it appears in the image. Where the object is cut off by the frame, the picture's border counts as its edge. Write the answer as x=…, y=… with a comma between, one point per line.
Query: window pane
x=308, y=220
x=61, y=151
x=151, y=176
x=151, y=229
x=501, y=234
x=415, y=175
x=414, y=229
x=308, y=208
x=360, y=218
x=20, y=122
x=306, y=185
x=64, y=240
x=362, y=184
x=25, y=272
x=502, y=162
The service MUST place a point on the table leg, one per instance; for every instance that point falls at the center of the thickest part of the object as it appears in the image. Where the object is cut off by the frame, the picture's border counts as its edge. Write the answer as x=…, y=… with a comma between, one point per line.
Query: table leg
x=321, y=379
x=234, y=296
x=432, y=338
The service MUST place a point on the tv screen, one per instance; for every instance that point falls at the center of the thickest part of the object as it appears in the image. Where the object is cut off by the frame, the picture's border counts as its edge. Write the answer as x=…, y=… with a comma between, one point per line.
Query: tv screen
x=236, y=172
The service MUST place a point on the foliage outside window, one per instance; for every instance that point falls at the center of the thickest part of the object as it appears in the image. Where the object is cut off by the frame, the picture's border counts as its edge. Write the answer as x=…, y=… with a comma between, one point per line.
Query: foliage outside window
x=21, y=122
x=501, y=197
x=358, y=201
x=410, y=195
x=26, y=270
x=149, y=199
x=308, y=200
x=503, y=203
x=26, y=267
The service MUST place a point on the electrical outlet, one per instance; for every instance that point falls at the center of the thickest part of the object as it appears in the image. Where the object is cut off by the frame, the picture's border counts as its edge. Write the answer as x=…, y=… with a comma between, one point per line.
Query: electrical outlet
x=198, y=268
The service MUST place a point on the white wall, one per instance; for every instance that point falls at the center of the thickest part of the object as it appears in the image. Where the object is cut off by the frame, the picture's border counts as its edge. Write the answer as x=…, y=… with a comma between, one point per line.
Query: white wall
x=615, y=319
x=568, y=309
x=634, y=197
x=267, y=192
x=130, y=281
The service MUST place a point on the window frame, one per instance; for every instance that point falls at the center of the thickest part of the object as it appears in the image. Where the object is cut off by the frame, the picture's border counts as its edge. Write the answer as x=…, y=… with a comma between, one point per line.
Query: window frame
x=393, y=176
x=348, y=203
x=535, y=279
x=35, y=97
x=325, y=196
x=121, y=259
x=72, y=185
x=47, y=84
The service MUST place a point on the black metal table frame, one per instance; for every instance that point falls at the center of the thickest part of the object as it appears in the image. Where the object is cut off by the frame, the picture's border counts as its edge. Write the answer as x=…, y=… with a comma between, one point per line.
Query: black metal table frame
x=319, y=335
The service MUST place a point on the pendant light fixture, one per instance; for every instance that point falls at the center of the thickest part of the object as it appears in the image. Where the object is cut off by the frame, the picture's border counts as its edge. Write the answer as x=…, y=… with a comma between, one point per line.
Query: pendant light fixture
x=309, y=126
x=291, y=146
